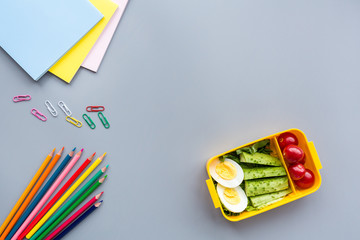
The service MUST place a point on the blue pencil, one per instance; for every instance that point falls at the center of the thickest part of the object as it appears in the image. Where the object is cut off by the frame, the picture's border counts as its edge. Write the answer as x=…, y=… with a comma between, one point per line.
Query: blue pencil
x=41, y=193
x=78, y=220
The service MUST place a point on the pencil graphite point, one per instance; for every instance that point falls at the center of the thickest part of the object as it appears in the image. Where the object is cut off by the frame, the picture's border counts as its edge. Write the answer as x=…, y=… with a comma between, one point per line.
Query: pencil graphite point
x=107, y=166
x=82, y=150
x=74, y=148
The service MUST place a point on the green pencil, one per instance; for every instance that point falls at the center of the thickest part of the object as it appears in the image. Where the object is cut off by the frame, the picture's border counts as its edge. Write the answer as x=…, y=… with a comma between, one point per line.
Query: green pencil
x=69, y=210
x=69, y=203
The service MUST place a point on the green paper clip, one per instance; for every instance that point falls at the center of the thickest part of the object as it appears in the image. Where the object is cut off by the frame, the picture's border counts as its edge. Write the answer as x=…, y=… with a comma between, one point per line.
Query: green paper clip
x=103, y=120
x=89, y=121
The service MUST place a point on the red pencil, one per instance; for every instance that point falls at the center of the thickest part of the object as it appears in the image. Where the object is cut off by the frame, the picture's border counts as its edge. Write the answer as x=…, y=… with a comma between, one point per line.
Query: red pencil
x=56, y=197
x=74, y=216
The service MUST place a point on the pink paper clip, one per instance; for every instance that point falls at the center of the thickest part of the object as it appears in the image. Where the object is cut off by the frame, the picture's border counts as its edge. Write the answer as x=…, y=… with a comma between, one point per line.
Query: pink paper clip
x=21, y=98
x=38, y=114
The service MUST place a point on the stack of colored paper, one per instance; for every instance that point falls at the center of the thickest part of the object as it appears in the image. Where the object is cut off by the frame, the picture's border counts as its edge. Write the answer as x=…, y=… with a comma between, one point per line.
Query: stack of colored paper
x=58, y=36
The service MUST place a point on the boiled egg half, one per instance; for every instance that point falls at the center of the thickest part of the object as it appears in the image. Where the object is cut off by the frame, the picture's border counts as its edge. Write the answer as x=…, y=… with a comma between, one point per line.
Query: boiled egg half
x=234, y=199
x=227, y=173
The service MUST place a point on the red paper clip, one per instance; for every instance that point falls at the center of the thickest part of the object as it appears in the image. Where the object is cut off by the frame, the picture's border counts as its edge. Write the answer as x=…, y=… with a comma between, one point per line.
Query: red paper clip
x=95, y=108
x=21, y=98
x=38, y=114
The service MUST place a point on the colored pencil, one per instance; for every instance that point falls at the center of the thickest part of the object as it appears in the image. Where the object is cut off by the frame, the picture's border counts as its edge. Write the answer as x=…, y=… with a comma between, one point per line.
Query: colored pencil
x=26, y=191
x=38, y=197
x=69, y=203
x=79, y=220
x=64, y=197
x=59, y=217
x=30, y=196
x=71, y=219
x=56, y=197
x=51, y=190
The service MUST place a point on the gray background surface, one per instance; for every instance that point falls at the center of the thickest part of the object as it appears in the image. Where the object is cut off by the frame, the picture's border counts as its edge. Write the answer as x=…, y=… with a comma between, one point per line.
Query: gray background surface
x=183, y=81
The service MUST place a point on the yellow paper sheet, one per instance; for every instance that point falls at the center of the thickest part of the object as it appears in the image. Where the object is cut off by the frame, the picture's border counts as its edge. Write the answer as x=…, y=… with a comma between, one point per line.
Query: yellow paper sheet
x=70, y=63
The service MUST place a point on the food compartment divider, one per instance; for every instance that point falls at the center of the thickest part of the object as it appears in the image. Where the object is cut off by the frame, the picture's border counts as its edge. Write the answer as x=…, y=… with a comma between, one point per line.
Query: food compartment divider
x=280, y=156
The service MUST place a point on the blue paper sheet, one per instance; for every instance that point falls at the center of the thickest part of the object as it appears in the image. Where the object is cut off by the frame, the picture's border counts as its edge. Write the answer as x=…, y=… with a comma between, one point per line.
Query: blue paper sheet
x=37, y=33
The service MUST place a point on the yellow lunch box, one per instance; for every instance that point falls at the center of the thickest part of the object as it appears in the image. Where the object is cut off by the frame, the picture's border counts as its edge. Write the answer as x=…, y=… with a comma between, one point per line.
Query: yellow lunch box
x=312, y=162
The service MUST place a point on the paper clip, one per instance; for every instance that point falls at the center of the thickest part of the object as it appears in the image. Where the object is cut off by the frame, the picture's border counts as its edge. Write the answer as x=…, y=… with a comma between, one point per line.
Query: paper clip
x=89, y=121
x=21, y=98
x=74, y=121
x=103, y=120
x=51, y=108
x=38, y=114
x=95, y=108
x=63, y=107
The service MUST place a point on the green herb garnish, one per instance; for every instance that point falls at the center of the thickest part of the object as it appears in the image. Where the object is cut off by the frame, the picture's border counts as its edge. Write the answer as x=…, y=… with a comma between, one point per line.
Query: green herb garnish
x=260, y=147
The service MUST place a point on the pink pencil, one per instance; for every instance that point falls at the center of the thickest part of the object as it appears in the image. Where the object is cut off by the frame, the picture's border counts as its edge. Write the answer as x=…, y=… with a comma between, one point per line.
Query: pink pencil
x=47, y=195
x=74, y=217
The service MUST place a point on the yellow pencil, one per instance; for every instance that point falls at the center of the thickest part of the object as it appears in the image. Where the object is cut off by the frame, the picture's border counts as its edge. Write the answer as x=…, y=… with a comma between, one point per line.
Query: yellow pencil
x=65, y=196
x=27, y=190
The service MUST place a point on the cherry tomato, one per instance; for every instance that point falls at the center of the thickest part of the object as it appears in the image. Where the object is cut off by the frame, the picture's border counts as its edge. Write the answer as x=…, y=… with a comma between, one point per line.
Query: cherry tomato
x=296, y=171
x=293, y=154
x=286, y=139
x=303, y=160
x=307, y=181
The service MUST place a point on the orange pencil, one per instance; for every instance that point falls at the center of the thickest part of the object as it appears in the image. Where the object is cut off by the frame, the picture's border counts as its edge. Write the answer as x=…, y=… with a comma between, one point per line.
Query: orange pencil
x=27, y=190
x=31, y=194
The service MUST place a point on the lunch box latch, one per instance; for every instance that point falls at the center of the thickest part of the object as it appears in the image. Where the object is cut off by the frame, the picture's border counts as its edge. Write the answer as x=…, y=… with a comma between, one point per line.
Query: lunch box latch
x=213, y=193
x=314, y=155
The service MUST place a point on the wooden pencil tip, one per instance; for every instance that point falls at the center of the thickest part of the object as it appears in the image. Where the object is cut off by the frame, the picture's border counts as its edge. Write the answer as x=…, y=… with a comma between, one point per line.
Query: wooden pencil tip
x=104, y=168
x=99, y=195
x=102, y=157
x=92, y=156
x=61, y=151
x=102, y=179
x=98, y=204
x=52, y=152
x=80, y=152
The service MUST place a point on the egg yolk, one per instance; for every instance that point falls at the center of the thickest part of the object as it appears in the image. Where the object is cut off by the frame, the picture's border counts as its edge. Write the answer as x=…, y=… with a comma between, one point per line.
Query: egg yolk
x=231, y=196
x=226, y=170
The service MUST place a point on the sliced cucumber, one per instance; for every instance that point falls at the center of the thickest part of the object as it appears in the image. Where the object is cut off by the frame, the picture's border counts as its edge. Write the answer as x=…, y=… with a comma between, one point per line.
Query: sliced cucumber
x=260, y=200
x=267, y=185
x=263, y=172
x=260, y=158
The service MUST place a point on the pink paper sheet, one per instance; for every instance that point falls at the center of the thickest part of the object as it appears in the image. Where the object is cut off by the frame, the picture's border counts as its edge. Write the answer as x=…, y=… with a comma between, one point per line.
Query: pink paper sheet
x=95, y=56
